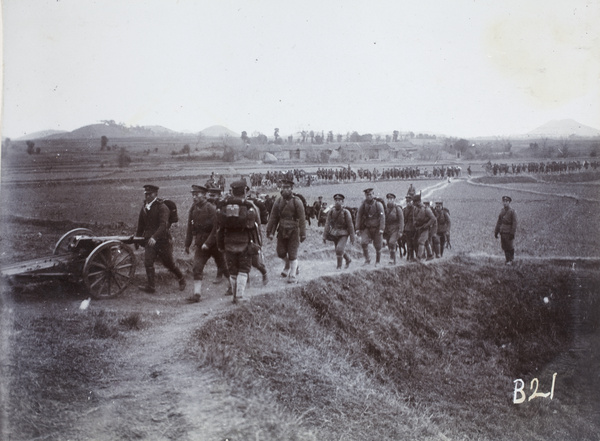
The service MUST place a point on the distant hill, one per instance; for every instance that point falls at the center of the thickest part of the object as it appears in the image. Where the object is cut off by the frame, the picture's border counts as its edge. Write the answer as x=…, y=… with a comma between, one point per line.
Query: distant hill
x=219, y=131
x=564, y=127
x=40, y=134
x=111, y=130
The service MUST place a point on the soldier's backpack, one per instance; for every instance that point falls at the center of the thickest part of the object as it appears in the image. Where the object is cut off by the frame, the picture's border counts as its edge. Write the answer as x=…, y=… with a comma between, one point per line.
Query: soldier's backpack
x=172, y=206
x=237, y=214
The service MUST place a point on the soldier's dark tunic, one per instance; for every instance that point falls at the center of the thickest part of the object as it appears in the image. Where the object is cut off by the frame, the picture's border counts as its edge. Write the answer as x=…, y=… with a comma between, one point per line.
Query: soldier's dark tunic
x=289, y=220
x=201, y=219
x=506, y=226
x=155, y=223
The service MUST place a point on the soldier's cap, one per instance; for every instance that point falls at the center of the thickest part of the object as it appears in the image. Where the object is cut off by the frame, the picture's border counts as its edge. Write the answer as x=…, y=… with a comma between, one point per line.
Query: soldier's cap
x=240, y=184
x=199, y=189
x=150, y=188
x=339, y=196
x=416, y=198
x=368, y=190
x=215, y=190
x=287, y=183
x=506, y=198
x=439, y=203
x=390, y=195
x=425, y=202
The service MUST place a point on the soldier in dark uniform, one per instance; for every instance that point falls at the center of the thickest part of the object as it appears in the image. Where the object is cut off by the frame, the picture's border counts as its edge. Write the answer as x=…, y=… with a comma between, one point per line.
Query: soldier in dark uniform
x=506, y=226
x=214, y=196
x=423, y=219
x=258, y=260
x=238, y=242
x=370, y=225
x=338, y=228
x=201, y=219
x=153, y=225
x=443, y=218
x=394, y=225
x=318, y=206
x=409, y=229
x=289, y=221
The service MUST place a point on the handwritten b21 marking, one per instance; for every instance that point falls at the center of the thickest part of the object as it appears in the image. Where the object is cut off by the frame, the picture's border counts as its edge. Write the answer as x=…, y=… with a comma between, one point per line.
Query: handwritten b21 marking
x=519, y=396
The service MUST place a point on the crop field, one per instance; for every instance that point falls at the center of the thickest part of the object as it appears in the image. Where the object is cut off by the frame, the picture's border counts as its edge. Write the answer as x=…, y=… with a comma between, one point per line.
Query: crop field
x=424, y=351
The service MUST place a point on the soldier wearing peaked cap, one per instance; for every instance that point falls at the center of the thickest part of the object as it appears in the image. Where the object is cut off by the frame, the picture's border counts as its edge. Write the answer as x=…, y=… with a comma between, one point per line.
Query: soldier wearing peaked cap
x=423, y=220
x=235, y=233
x=394, y=225
x=338, y=228
x=409, y=229
x=506, y=226
x=201, y=220
x=370, y=225
x=153, y=225
x=288, y=219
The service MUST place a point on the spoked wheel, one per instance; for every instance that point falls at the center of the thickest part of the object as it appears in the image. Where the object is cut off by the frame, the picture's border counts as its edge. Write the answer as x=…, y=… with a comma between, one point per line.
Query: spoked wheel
x=63, y=244
x=109, y=269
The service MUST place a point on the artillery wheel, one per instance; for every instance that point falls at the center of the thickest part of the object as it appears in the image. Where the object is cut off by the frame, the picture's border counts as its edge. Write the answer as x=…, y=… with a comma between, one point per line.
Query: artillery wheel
x=62, y=246
x=109, y=269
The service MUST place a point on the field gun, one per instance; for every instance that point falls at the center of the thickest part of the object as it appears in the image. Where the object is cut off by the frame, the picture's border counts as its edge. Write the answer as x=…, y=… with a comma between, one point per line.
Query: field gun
x=104, y=265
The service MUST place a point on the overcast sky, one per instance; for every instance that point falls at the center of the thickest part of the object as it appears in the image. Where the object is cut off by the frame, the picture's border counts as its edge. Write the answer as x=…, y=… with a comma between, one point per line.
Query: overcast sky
x=459, y=67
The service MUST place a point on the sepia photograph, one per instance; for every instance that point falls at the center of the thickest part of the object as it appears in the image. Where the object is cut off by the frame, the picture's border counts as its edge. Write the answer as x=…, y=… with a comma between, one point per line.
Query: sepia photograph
x=319, y=220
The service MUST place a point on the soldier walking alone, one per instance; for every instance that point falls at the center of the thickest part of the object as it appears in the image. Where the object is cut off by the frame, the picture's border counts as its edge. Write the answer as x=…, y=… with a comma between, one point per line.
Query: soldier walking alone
x=506, y=226
x=153, y=225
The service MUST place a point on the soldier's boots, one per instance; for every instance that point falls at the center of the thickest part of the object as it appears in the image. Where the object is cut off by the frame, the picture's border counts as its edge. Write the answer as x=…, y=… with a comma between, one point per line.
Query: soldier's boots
x=233, y=286
x=195, y=298
x=150, y=284
x=240, y=287
x=377, y=257
x=293, y=271
x=366, y=255
x=348, y=260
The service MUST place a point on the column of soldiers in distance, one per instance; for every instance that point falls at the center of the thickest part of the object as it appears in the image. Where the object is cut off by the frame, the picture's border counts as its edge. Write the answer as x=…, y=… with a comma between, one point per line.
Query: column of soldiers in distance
x=347, y=174
x=228, y=230
x=541, y=167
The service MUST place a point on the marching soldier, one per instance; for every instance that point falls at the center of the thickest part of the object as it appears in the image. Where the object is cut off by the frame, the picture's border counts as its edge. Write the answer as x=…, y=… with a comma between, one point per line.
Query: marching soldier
x=409, y=229
x=506, y=226
x=235, y=233
x=443, y=219
x=153, y=225
x=289, y=221
x=370, y=225
x=394, y=225
x=423, y=219
x=201, y=219
x=430, y=243
x=338, y=228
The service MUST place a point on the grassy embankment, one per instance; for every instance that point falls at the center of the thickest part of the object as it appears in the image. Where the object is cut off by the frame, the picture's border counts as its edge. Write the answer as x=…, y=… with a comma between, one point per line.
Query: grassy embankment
x=418, y=352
